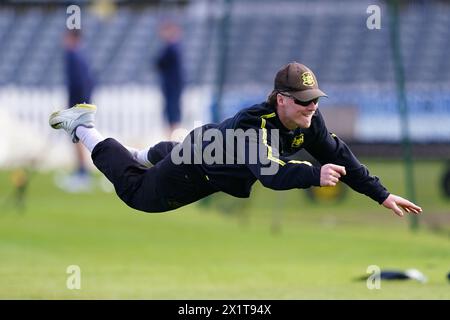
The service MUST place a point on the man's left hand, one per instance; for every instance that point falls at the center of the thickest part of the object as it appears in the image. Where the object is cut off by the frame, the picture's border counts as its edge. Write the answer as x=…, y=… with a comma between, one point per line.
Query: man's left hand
x=394, y=203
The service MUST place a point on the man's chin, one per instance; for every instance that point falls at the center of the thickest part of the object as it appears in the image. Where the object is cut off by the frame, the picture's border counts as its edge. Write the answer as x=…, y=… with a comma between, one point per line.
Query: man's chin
x=304, y=124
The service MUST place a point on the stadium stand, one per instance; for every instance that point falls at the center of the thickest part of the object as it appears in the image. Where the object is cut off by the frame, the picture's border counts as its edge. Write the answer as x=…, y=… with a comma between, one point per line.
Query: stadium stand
x=354, y=63
x=332, y=42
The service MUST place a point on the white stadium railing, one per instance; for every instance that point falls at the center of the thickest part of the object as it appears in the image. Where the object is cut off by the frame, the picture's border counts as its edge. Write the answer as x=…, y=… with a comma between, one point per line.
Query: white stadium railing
x=131, y=114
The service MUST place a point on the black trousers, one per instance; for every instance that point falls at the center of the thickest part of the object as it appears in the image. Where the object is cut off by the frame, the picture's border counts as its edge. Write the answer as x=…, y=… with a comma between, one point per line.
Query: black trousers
x=163, y=187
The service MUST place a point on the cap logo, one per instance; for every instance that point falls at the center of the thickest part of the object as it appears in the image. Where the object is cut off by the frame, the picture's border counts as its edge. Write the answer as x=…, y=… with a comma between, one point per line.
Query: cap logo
x=308, y=79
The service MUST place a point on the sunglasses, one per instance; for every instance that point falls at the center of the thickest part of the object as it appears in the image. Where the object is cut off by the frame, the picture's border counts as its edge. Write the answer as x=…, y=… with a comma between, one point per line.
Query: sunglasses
x=301, y=103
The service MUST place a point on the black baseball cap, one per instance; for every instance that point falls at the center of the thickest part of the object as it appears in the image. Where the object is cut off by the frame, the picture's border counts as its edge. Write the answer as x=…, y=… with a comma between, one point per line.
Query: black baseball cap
x=299, y=81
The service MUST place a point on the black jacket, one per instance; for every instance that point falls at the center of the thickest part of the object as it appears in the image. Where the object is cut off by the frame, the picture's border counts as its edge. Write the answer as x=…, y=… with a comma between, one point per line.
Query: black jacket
x=236, y=178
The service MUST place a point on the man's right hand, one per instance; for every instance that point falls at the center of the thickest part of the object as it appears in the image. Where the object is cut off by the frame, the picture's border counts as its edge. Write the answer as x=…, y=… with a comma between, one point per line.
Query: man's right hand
x=330, y=174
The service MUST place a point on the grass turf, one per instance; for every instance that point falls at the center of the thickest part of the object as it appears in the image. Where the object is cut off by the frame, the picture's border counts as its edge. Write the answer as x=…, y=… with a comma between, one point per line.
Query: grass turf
x=198, y=253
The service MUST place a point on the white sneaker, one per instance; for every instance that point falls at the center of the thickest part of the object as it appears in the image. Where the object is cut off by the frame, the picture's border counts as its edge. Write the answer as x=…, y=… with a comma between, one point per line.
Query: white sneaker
x=70, y=119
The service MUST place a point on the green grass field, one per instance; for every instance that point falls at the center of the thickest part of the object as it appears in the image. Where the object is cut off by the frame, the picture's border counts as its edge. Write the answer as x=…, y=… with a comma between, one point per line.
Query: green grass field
x=225, y=249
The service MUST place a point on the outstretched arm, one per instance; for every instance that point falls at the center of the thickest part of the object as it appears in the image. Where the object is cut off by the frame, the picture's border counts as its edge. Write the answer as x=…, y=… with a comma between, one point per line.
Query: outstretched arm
x=330, y=149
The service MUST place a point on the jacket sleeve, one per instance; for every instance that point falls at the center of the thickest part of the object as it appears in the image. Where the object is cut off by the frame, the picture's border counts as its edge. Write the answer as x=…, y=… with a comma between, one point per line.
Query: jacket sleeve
x=328, y=148
x=272, y=170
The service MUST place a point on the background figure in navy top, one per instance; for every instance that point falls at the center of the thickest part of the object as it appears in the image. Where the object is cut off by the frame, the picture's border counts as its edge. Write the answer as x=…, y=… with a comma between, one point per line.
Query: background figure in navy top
x=169, y=65
x=78, y=76
x=79, y=83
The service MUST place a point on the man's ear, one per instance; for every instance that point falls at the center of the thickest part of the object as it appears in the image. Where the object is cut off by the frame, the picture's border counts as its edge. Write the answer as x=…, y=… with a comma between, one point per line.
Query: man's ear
x=280, y=100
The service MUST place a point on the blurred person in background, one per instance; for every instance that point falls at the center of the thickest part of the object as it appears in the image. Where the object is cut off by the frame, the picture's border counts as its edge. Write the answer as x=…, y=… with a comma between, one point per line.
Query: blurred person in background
x=79, y=83
x=170, y=69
